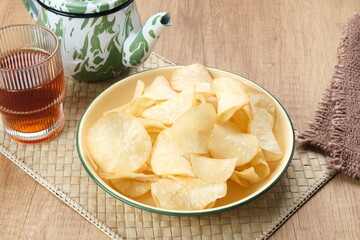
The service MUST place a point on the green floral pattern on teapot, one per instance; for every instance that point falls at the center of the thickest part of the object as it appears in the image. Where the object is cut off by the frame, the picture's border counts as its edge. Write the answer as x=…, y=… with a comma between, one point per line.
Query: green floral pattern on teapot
x=100, y=47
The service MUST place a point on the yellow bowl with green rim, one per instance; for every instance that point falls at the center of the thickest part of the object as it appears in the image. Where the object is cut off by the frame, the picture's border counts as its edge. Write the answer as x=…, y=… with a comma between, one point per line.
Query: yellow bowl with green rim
x=122, y=91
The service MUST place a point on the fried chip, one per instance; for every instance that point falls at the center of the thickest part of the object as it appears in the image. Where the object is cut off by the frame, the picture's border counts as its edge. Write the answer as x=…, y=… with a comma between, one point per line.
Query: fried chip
x=226, y=142
x=212, y=170
x=249, y=175
x=247, y=110
x=153, y=136
x=139, y=89
x=255, y=173
x=152, y=125
x=272, y=157
x=130, y=187
x=195, y=75
x=212, y=100
x=143, y=168
x=191, y=195
x=159, y=89
x=139, y=105
x=131, y=175
x=210, y=205
x=199, y=99
x=168, y=111
x=231, y=95
x=242, y=182
x=261, y=125
x=259, y=100
x=260, y=165
x=192, y=129
x=262, y=169
x=118, y=143
x=240, y=121
x=131, y=184
x=167, y=159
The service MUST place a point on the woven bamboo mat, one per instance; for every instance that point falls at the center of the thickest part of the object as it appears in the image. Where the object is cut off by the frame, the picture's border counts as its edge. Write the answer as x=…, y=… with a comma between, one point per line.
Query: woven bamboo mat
x=56, y=165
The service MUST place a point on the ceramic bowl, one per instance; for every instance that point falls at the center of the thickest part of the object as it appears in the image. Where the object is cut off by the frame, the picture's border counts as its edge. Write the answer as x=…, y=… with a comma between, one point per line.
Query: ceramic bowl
x=122, y=91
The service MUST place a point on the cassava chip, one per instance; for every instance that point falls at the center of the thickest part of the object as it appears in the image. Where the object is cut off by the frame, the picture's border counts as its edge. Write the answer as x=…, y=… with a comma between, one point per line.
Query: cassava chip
x=272, y=157
x=153, y=136
x=139, y=105
x=118, y=143
x=260, y=165
x=159, y=89
x=195, y=75
x=257, y=172
x=192, y=182
x=247, y=110
x=226, y=142
x=172, y=194
x=259, y=100
x=130, y=187
x=200, y=99
x=242, y=182
x=262, y=169
x=139, y=89
x=130, y=175
x=212, y=100
x=192, y=129
x=168, y=111
x=152, y=125
x=212, y=170
x=249, y=175
x=240, y=121
x=167, y=159
x=261, y=125
x=210, y=205
x=143, y=168
x=231, y=95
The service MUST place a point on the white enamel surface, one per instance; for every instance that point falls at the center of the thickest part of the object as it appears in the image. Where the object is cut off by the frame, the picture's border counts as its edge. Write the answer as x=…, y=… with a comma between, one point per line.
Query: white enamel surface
x=73, y=35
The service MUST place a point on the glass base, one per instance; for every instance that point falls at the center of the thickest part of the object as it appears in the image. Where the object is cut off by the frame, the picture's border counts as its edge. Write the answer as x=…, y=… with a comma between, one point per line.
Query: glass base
x=37, y=137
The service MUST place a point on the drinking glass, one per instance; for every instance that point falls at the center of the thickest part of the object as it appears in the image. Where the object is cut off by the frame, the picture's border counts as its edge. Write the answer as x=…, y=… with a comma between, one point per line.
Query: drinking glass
x=32, y=84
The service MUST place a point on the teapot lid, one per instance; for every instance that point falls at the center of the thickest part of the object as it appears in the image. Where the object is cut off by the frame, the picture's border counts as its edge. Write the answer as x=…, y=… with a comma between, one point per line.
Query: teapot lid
x=82, y=6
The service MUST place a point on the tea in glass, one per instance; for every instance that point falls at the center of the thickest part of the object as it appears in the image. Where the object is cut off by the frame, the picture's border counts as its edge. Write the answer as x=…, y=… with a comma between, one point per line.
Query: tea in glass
x=32, y=84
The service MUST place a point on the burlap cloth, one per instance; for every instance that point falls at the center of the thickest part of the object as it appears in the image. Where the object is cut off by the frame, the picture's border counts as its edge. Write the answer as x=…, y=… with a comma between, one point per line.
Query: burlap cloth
x=56, y=165
x=336, y=125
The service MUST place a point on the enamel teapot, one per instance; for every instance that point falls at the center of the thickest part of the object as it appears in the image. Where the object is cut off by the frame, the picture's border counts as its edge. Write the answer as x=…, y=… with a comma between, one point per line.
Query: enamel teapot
x=99, y=38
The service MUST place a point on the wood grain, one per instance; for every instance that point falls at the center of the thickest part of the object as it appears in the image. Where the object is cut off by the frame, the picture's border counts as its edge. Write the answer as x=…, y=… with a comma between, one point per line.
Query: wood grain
x=289, y=47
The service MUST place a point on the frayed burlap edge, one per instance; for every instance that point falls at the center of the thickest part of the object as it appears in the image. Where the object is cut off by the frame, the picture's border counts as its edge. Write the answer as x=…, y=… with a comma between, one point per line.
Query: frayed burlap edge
x=334, y=98
x=337, y=143
x=320, y=118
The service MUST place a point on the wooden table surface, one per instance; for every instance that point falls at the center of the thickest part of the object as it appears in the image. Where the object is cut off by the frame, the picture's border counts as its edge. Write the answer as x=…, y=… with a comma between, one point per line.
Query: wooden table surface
x=289, y=47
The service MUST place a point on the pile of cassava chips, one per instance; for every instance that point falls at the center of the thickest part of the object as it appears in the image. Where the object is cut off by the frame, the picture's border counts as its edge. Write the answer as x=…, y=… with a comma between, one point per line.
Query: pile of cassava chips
x=184, y=138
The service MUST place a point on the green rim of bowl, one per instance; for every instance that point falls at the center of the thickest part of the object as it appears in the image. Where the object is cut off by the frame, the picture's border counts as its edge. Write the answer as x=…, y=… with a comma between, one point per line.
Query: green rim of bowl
x=177, y=212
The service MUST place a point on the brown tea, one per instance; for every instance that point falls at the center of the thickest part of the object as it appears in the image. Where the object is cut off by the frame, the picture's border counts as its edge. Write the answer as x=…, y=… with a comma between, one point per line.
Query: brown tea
x=32, y=102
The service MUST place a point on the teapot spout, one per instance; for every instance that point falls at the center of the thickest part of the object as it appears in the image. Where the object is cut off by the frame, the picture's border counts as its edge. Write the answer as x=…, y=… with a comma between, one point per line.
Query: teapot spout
x=138, y=46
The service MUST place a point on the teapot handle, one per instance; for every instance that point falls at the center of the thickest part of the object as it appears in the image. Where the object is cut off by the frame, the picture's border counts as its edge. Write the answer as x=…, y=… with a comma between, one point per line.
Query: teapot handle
x=33, y=8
